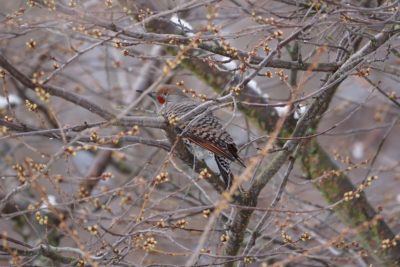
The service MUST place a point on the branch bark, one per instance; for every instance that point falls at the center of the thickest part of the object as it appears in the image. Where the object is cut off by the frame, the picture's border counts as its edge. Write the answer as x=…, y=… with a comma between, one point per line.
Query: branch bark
x=267, y=118
x=154, y=122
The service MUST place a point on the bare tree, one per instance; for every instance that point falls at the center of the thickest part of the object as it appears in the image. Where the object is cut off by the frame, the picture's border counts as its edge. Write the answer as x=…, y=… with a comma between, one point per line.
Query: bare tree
x=92, y=175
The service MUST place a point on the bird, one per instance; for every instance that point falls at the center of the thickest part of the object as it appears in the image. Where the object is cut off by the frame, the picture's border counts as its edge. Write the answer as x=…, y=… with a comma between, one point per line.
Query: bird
x=201, y=131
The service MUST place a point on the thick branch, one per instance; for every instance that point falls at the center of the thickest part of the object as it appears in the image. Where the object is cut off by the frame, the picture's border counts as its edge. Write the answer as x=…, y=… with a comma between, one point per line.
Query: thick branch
x=156, y=122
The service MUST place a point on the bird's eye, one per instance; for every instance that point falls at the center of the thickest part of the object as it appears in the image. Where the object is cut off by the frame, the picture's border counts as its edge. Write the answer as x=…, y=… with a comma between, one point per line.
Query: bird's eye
x=161, y=99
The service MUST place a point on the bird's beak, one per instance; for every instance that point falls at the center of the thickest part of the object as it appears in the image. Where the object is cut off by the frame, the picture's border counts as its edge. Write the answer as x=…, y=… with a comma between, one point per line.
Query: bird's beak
x=151, y=94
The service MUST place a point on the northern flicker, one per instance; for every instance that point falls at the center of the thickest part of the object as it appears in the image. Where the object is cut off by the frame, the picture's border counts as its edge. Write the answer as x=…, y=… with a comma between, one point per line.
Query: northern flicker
x=202, y=132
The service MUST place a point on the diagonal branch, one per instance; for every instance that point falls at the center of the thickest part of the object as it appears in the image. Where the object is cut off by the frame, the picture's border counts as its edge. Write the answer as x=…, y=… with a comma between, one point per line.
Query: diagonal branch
x=155, y=122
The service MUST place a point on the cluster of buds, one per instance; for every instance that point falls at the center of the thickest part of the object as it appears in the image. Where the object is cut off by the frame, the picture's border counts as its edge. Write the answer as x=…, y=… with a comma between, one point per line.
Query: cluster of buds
x=39, y=167
x=26, y=169
x=42, y=94
x=389, y=243
x=206, y=213
x=17, y=13
x=32, y=207
x=248, y=260
x=345, y=18
x=137, y=240
x=266, y=49
x=139, y=218
x=231, y=51
x=202, y=97
x=149, y=244
x=96, y=203
x=341, y=245
x=191, y=91
x=89, y=147
x=93, y=229
x=126, y=10
x=205, y=250
x=364, y=72
x=97, y=33
x=316, y=4
x=72, y=3
x=379, y=114
x=180, y=83
x=171, y=64
x=83, y=192
x=224, y=238
x=120, y=193
x=363, y=253
x=343, y=159
x=161, y=223
x=350, y=195
x=368, y=182
x=173, y=119
x=116, y=139
x=144, y=14
x=31, y=3
x=106, y=175
x=204, y=174
x=8, y=118
x=36, y=77
x=51, y=4
x=173, y=40
x=211, y=27
x=31, y=44
x=278, y=34
x=282, y=76
x=125, y=200
x=108, y=3
x=58, y=178
x=80, y=263
x=212, y=12
x=118, y=43
x=211, y=15
x=70, y=150
x=357, y=193
x=180, y=56
x=181, y=224
x=261, y=20
x=81, y=28
x=21, y=173
x=162, y=178
x=42, y=220
x=286, y=237
x=134, y=131
x=305, y=236
x=56, y=65
x=346, y=245
x=268, y=74
x=94, y=137
x=236, y=90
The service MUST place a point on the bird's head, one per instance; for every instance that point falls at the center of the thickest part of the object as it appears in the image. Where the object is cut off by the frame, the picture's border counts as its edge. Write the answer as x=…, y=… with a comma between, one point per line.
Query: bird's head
x=169, y=94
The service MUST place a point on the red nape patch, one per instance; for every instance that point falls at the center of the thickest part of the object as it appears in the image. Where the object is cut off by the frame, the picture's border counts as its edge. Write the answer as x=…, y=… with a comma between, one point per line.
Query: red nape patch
x=161, y=99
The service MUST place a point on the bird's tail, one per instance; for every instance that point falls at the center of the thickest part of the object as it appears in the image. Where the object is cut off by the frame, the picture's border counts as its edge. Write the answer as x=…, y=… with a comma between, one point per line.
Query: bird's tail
x=224, y=166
